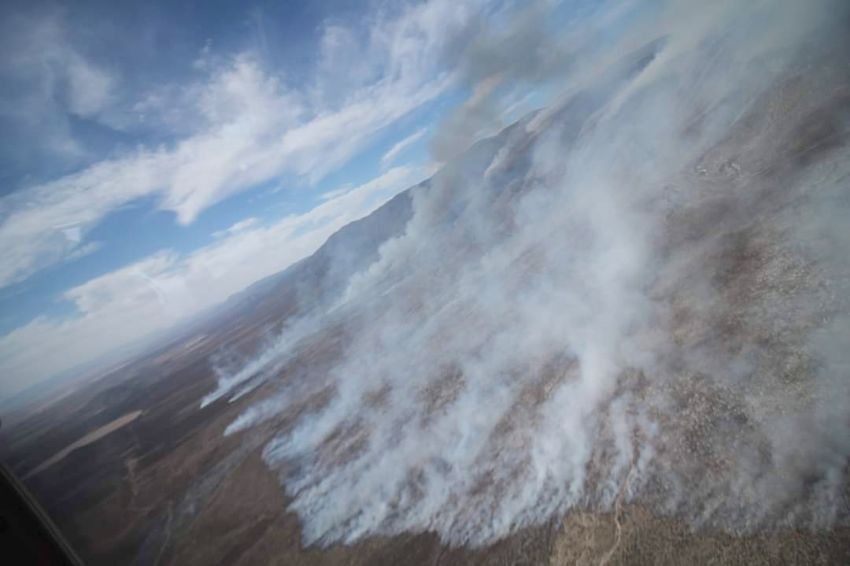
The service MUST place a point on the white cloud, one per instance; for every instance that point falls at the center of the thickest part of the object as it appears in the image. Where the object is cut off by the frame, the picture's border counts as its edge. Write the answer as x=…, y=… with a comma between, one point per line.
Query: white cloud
x=130, y=303
x=126, y=288
x=89, y=88
x=395, y=150
x=50, y=79
x=254, y=129
x=83, y=250
x=237, y=227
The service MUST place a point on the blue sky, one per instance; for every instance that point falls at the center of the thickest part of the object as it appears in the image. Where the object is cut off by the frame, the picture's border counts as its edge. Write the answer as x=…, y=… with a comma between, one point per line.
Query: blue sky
x=157, y=157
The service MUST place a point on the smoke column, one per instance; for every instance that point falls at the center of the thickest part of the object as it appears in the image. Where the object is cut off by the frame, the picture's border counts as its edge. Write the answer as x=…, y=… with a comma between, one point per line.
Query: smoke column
x=638, y=292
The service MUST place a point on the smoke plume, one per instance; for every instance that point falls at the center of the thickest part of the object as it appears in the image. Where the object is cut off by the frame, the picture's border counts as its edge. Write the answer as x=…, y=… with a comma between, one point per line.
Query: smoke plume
x=638, y=293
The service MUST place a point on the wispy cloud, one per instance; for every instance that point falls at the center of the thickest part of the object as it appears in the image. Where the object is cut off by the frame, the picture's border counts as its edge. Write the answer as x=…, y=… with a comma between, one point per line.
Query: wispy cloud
x=251, y=127
x=395, y=150
x=51, y=83
x=237, y=227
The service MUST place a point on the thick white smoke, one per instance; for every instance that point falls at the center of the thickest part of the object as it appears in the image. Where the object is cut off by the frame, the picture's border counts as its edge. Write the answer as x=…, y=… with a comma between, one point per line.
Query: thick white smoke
x=637, y=293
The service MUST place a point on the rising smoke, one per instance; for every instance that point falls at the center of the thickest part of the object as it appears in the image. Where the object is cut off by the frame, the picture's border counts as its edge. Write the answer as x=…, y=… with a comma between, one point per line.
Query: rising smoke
x=637, y=293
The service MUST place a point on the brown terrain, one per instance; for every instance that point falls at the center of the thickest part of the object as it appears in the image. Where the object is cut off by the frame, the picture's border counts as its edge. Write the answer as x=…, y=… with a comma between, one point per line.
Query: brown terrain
x=166, y=486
